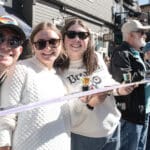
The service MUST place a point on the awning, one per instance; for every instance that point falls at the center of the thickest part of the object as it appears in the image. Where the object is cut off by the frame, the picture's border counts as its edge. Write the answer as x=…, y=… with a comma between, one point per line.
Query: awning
x=9, y=11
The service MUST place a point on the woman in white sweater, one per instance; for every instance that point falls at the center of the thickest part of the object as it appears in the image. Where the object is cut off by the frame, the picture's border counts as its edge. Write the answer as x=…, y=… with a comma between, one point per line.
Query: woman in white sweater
x=96, y=127
x=34, y=80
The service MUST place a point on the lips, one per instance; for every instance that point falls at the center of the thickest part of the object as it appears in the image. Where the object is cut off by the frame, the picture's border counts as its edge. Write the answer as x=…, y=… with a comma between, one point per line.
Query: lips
x=48, y=55
x=76, y=45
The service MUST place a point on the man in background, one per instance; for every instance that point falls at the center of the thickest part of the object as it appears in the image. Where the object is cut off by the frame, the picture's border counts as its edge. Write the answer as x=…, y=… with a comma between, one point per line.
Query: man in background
x=128, y=59
x=146, y=51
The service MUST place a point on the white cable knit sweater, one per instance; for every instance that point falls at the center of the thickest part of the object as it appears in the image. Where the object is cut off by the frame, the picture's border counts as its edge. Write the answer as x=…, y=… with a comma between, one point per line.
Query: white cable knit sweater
x=38, y=129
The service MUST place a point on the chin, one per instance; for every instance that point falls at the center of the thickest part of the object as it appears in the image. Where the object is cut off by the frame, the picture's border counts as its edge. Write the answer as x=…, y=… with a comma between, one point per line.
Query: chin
x=6, y=64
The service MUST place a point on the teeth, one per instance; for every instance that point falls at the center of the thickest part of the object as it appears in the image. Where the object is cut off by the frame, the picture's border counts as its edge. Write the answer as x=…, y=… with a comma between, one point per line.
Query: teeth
x=76, y=46
x=51, y=53
x=47, y=54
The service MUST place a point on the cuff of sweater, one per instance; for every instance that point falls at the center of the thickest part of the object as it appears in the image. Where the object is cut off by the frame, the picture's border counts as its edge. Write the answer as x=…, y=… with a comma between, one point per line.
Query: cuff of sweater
x=82, y=107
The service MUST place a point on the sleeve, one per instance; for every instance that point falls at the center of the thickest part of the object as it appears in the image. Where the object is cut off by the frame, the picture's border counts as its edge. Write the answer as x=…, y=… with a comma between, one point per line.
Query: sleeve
x=10, y=95
x=120, y=63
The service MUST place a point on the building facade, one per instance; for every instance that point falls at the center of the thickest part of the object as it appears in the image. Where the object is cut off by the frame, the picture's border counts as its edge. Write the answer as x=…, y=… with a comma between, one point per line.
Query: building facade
x=101, y=16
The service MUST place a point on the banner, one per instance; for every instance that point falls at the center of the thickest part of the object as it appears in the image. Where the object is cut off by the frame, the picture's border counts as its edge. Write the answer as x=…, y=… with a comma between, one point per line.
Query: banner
x=22, y=108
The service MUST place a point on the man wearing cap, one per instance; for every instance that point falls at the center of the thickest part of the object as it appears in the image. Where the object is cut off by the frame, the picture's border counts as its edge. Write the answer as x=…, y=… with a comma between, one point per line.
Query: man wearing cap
x=11, y=39
x=128, y=59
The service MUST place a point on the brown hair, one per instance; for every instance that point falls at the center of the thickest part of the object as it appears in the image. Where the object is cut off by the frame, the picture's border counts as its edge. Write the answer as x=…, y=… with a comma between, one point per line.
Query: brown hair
x=89, y=57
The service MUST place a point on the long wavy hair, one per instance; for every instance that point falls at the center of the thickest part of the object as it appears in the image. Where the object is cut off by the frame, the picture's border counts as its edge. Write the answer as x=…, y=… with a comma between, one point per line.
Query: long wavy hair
x=89, y=57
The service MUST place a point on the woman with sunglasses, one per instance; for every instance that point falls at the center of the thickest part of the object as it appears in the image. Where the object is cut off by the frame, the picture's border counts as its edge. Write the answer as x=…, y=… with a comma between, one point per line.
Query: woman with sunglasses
x=100, y=111
x=33, y=80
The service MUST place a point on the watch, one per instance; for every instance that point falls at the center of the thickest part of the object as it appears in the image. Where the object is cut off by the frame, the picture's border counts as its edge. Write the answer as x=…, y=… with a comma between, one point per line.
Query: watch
x=89, y=107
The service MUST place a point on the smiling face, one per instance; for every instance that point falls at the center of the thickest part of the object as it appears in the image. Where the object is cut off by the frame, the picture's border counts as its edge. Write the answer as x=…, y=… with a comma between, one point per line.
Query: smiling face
x=47, y=46
x=75, y=47
x=8, y=52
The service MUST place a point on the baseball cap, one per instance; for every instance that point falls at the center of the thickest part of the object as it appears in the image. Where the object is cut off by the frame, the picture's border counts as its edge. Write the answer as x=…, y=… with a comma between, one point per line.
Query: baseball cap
x=11, y=23
x=133, y=25
x=146, y=48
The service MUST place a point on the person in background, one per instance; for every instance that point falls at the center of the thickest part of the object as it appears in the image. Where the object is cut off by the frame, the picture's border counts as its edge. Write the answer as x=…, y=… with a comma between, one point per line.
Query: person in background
x=127, y=59
x=97, y=123
x=11, y=39
x=146, y=51
x=32, y=80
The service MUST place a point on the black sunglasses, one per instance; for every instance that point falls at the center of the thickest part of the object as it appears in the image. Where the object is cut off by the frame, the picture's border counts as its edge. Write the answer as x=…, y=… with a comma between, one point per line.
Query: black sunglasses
x=41, y=43
x=73, y=34
x=13, y=41
x=142, y=32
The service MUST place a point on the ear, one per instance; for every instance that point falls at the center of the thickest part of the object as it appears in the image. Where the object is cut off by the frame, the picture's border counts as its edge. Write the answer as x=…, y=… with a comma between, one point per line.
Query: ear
x=133, y=34
x=33, y=49
x=20, y=50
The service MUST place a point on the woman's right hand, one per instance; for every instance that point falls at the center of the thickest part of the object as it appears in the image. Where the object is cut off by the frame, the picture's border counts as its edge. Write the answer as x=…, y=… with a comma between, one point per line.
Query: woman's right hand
x=94, y=99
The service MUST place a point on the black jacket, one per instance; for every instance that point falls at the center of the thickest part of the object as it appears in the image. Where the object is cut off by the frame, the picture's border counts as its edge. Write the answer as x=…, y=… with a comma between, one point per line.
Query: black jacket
x=132, y=106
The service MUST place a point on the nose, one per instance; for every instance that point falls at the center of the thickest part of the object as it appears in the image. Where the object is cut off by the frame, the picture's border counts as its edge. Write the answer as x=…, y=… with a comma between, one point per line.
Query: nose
x=48, y=46
x=77, y=37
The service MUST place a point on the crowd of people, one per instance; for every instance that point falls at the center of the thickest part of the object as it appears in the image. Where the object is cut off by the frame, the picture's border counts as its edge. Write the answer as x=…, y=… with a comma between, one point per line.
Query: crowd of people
x=65, y=62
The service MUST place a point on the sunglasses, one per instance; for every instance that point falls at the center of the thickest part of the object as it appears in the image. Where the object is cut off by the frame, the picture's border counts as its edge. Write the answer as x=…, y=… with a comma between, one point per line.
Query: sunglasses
x=41, y=43
x=142, y=32
x=12, y=42
x=73, y=34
